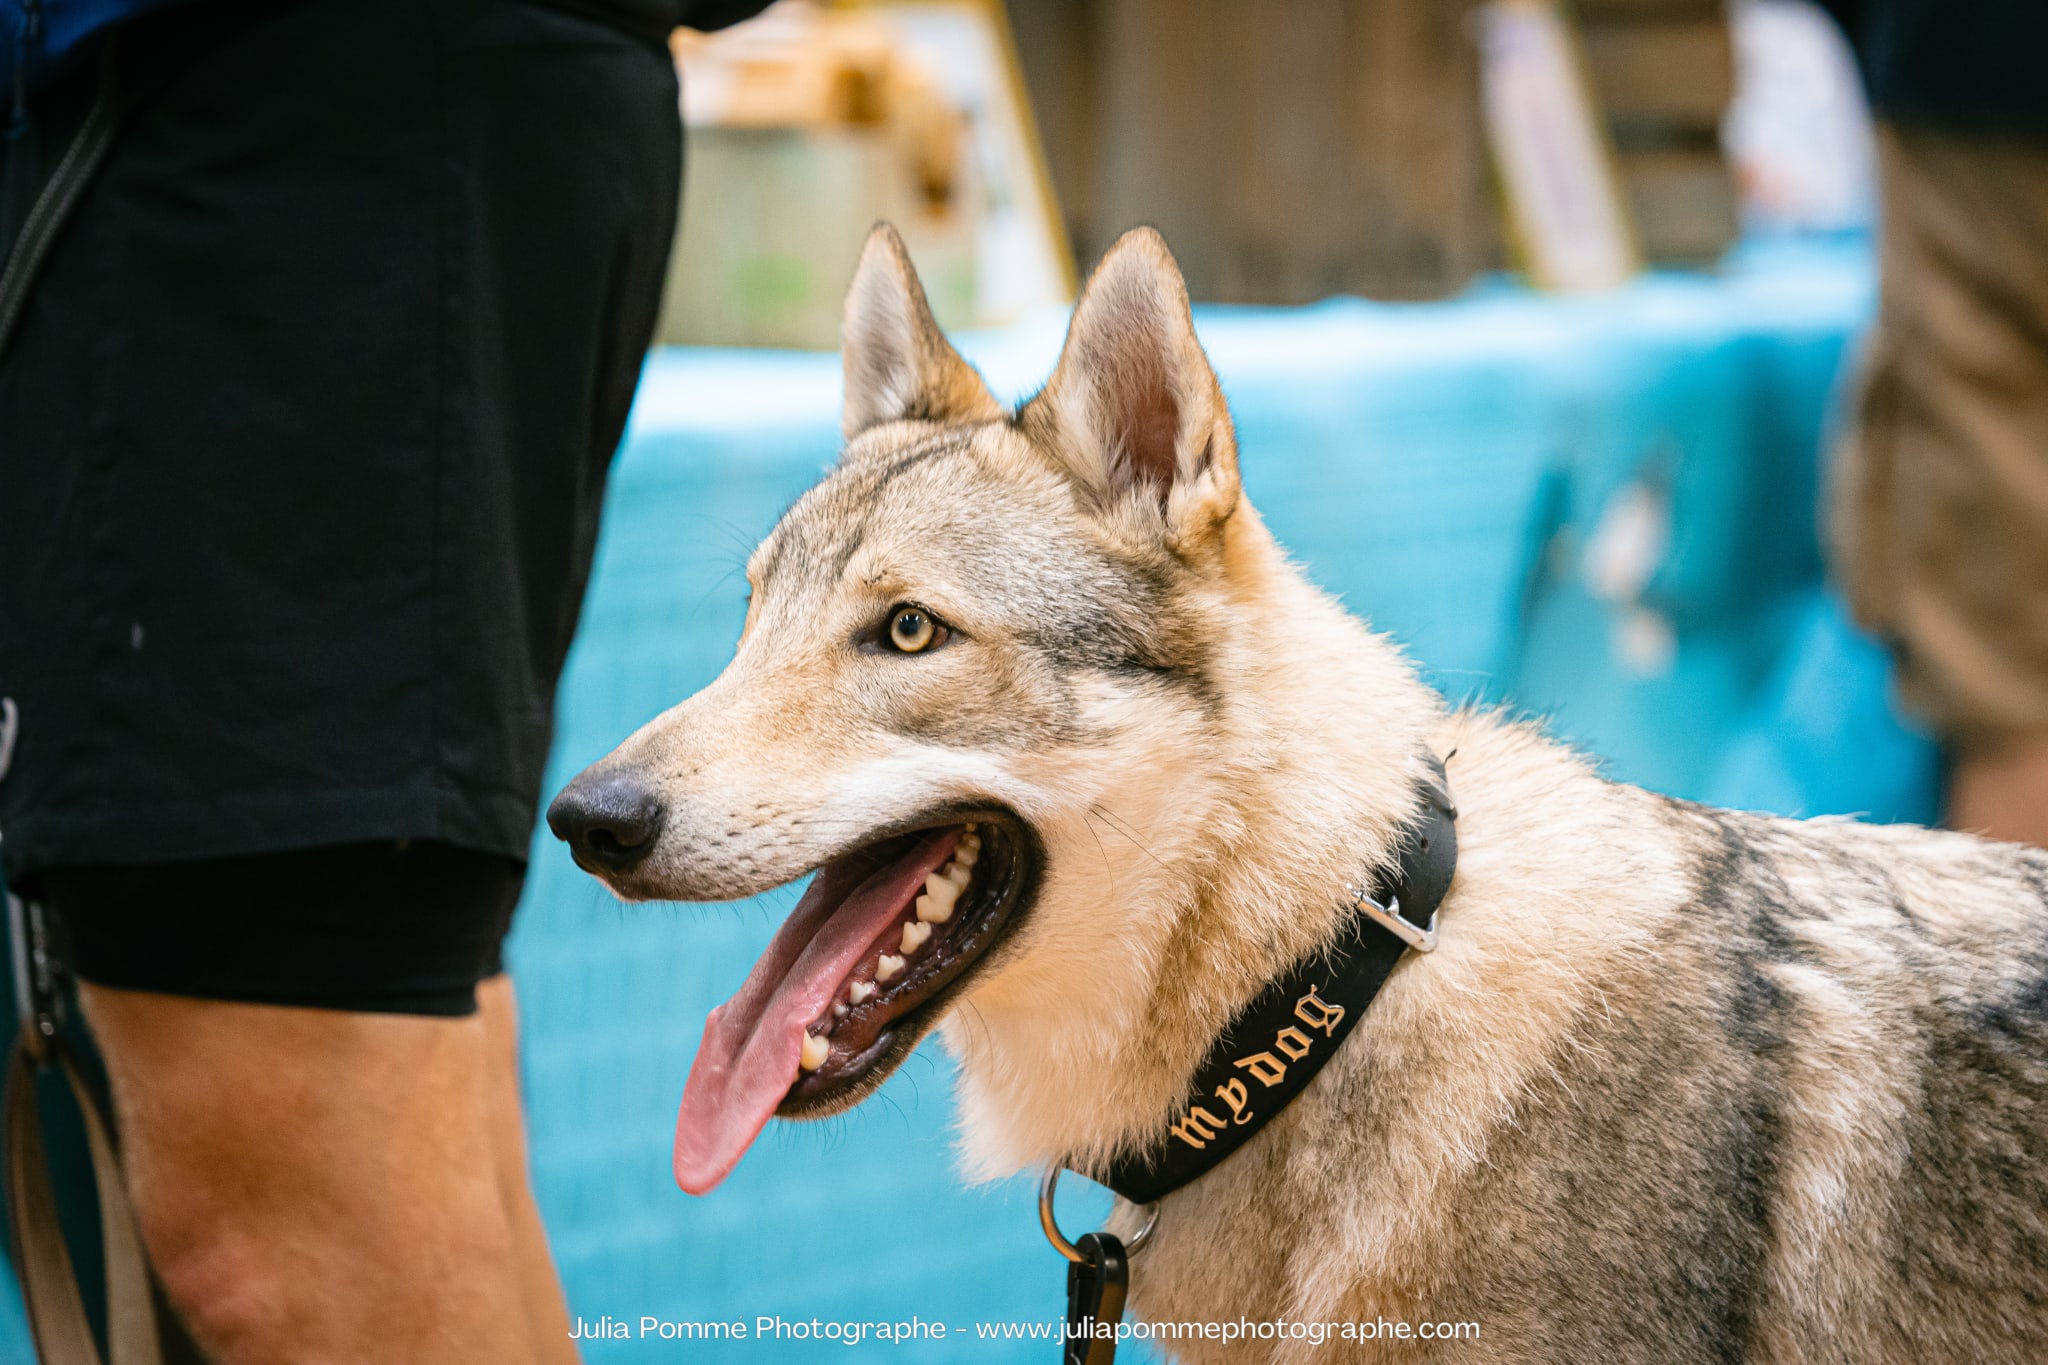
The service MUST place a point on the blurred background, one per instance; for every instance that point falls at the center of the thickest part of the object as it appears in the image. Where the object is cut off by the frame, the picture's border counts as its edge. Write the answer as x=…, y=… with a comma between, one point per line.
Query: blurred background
x=1536, y=321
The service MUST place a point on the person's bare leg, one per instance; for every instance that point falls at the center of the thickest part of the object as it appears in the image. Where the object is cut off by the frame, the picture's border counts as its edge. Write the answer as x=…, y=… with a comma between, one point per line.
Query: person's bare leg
x=540, y=1287
x=319, y=1186
x=2002, y=791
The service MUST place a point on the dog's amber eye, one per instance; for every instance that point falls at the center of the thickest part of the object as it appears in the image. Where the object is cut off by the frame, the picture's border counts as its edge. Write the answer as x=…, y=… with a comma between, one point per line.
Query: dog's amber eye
x=912, y=629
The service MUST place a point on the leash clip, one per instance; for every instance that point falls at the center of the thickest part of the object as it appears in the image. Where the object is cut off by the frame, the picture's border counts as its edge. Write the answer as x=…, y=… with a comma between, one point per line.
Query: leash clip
x=1389, y=918
x=1059, y=1241
x=1098, y=1279
x=35, y=982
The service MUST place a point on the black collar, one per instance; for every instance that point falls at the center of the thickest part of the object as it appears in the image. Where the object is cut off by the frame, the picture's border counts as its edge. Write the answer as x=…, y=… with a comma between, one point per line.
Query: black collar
x=1275, y=1046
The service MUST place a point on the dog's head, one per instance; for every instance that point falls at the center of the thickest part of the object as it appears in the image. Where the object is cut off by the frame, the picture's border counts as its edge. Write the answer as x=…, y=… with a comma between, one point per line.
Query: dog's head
x=978, y=663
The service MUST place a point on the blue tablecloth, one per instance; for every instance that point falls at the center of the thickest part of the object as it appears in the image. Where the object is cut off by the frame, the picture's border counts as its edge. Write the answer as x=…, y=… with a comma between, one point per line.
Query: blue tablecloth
x=1443, y=467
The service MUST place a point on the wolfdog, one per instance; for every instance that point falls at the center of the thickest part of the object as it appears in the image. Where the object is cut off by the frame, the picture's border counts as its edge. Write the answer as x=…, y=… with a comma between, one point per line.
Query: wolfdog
x=1081, y=762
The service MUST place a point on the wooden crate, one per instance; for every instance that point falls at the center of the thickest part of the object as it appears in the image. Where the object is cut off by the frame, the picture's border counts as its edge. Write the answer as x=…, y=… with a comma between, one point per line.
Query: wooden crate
x=1683, y=73
x=1288, y=149
x=1292, y=149
x=1663, y=72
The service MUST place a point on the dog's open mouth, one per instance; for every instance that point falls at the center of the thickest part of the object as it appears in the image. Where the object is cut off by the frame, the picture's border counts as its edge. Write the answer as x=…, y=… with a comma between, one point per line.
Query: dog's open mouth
x=854, y=978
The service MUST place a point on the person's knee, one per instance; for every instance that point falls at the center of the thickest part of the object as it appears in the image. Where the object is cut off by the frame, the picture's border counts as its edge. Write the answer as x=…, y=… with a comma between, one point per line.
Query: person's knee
x=225, y=1282
x=313, y=1178
x=270, y=1256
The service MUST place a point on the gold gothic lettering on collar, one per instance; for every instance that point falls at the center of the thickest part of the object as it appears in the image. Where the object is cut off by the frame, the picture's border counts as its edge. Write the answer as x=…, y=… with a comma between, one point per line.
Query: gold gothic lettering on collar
x=1201, y=1125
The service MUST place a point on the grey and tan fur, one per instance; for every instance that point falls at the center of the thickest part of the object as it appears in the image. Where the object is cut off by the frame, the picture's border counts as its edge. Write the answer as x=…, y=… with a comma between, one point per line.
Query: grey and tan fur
x=1678, y=1085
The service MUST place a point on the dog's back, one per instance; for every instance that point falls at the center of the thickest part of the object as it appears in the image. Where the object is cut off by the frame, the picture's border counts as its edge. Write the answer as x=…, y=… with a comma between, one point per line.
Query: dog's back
x=1891, y=998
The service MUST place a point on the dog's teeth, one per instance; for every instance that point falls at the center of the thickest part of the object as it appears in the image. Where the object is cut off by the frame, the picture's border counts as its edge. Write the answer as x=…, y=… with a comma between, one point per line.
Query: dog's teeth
x=967, y=855
x=970, y=827
x=957, y=875
x=859, y=991
x=930, y=911
x=888, y=967
x=839, y=1010
x=942, y=892
x=914, y=935
x=816, y=1050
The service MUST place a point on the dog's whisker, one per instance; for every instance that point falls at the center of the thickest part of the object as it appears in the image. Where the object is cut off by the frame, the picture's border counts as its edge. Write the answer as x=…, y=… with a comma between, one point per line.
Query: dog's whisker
x=1125, y=830
x=1109, y=871
x=713, y=587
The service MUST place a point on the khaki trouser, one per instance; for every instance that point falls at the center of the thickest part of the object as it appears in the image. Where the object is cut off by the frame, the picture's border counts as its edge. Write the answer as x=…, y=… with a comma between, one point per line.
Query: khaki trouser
x=1940, y=516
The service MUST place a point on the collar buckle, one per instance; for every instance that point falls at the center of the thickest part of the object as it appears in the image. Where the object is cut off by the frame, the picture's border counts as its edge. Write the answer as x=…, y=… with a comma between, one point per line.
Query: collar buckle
x=1388, y=917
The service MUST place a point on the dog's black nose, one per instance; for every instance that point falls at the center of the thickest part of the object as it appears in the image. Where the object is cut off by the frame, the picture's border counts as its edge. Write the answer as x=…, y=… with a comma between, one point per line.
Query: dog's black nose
x=609, y=819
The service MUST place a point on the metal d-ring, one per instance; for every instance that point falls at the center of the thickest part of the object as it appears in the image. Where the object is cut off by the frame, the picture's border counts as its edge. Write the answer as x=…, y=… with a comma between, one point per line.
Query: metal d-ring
x=1059, y=1239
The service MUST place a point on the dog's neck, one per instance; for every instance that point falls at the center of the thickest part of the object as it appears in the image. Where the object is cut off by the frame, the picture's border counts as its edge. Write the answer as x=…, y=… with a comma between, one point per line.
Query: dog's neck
x=1195, y=871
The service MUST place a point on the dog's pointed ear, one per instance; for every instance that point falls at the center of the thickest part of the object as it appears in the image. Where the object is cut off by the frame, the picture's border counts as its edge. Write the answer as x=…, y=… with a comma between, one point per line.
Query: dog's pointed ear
x=899, y=365
x=1133, y=407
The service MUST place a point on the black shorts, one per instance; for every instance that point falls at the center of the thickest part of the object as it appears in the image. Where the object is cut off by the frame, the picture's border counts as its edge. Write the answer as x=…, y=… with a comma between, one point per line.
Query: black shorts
x=396, y=928
x=303, y=435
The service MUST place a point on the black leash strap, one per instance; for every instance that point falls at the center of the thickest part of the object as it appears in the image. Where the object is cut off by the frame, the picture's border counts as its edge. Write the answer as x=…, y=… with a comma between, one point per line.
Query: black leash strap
x=49, y=1284
x=1275, y=1046
x=1096, y=1285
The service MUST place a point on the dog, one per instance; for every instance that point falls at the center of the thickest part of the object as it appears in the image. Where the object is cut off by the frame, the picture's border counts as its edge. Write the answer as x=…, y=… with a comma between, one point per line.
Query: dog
x=1081, y=762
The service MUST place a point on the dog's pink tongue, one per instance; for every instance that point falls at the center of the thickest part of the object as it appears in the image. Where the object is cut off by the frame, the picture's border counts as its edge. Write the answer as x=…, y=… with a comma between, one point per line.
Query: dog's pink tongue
x=752, y=1043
